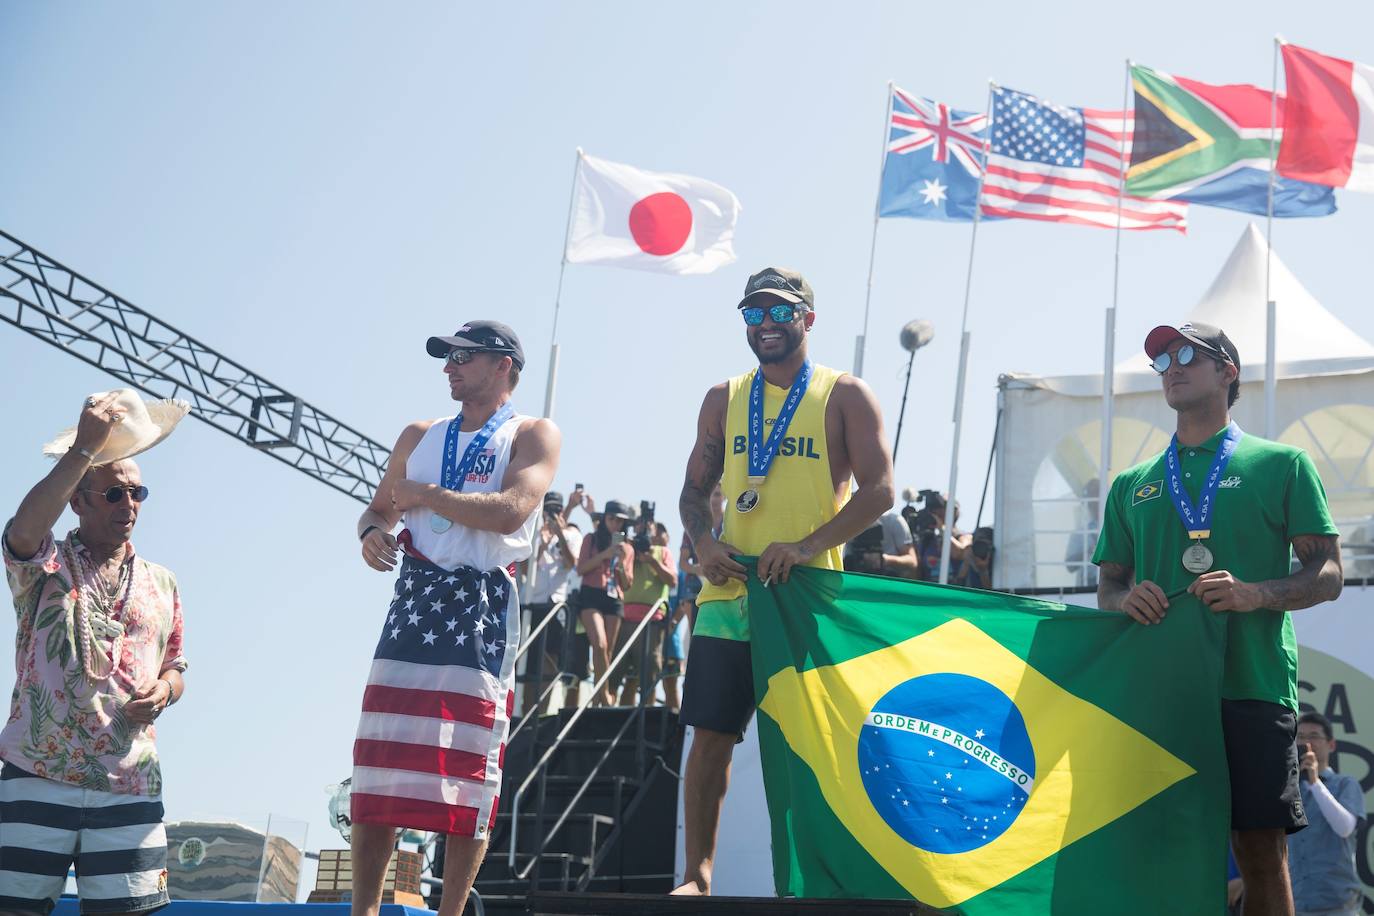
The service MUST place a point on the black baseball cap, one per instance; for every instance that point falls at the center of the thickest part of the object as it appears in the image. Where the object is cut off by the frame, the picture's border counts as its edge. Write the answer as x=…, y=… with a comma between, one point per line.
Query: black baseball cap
x=1208, y=336
x=486, y=336
x=553, y=501
x=782, y=282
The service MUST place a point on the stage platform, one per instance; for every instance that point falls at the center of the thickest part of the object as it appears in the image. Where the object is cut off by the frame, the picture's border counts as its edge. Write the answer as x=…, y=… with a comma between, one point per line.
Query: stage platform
x=559, y=904
x=67, y=907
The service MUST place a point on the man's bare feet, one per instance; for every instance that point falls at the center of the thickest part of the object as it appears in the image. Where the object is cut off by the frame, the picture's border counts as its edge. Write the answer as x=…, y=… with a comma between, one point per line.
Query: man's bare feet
x=696, y=888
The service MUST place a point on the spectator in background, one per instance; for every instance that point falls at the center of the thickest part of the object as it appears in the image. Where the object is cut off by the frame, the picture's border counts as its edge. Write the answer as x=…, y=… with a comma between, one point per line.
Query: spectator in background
x=605, y=564
x=654, y=574
x=976, y=569
x=1321, y=859
x=928, y=532
x=885, y=549
x=1078, y=553
x=557, y=544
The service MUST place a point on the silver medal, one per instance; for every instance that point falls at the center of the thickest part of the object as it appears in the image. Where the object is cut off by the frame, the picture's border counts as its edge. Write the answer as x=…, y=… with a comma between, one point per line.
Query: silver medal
x=1197, y=559
x=438, y=524
x=747, y=501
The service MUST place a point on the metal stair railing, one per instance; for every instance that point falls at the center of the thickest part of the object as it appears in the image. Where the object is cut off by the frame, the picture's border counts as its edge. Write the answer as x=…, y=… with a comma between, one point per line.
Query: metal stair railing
x=540, y=769
x=645, y=693
x=524, y=648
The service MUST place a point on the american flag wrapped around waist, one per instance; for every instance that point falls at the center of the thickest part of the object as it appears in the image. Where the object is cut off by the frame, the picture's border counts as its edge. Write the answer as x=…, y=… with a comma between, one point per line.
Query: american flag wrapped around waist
x=439, y=697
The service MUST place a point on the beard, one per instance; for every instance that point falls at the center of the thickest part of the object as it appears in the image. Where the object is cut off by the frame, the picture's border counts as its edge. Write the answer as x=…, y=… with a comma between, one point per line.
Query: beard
x=792, y=337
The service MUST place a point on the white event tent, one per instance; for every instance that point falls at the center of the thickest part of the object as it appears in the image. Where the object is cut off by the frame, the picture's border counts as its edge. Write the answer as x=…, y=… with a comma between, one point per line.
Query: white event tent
x=1049, y=445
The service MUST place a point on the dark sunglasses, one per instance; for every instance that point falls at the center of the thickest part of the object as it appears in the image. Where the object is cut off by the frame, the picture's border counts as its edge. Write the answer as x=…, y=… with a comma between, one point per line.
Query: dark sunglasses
x=461, y=355
x=116, y=494
x=1185, y=356
x=781, y=313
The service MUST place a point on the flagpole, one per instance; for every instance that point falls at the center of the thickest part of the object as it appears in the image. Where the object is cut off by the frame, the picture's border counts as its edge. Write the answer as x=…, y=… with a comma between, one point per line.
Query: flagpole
x=552, y=382
x=862, y=339
x=1271, y=312
x=964, y=336
x=1104, y=474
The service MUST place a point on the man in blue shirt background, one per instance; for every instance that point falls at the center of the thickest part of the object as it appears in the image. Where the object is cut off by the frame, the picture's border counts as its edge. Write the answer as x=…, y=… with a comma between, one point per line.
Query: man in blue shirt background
x=1321, y=858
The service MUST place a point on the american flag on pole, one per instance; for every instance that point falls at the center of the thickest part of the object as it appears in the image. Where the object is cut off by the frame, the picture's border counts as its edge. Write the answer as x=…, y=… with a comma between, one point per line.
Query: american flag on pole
x=437, y=708
x=1060, y=164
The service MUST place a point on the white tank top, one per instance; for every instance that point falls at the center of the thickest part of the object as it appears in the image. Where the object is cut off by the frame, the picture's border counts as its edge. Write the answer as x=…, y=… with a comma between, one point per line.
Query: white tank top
x=461, y=545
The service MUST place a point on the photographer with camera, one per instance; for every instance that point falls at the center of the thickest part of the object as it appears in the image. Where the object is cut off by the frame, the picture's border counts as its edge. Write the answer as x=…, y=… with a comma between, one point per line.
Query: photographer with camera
x=976, y=569
x=1321, y=858
x=885, y=549
x=559, y=542
x=927, y=526
x=605, y=564
x=654, y=575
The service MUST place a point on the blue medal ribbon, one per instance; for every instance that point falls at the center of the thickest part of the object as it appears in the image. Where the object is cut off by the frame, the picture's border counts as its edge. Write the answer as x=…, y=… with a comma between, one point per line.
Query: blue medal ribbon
x=761, y=452
x=455, y=472
x=1198, y=519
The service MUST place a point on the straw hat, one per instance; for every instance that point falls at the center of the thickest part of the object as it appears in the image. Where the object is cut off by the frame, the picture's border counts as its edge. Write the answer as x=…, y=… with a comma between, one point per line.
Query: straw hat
x=144, y=424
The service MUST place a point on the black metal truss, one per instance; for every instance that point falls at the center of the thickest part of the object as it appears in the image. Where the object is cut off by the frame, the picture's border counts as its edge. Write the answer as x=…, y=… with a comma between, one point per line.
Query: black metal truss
x=74, y=314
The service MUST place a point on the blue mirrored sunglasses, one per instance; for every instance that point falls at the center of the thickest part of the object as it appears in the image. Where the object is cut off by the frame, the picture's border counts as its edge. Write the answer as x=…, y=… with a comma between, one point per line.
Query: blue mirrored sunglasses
x=781, y=313
x=1185, y=356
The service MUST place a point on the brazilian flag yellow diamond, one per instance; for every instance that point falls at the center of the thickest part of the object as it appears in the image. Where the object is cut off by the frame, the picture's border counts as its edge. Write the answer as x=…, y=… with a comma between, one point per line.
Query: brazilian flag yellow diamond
x=956, y=764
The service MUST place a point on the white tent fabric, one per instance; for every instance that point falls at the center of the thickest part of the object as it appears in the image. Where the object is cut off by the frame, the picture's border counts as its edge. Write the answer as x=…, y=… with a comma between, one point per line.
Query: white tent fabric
x=1047, y=457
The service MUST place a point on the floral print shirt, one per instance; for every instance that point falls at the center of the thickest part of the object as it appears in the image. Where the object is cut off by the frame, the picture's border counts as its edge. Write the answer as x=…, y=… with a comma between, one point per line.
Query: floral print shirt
x=63, y=725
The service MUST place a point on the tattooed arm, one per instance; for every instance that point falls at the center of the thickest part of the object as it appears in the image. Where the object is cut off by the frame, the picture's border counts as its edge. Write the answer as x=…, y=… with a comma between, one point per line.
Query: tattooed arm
x=1144, y=602
x=704, y=467
x=1320, y=579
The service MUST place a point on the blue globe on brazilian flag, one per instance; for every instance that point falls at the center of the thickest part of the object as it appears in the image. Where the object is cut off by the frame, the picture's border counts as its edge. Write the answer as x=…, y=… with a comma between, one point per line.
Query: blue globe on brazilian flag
x=986, y=753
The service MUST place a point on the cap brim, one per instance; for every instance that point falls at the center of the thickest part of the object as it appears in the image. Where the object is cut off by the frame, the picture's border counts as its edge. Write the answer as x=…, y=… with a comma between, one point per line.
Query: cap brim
x=439, y=347
x=783, y=294
x=1158, y=340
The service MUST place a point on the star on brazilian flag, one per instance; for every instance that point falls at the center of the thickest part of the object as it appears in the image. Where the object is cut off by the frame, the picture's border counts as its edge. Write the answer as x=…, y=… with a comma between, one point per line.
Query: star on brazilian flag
x=988, y=753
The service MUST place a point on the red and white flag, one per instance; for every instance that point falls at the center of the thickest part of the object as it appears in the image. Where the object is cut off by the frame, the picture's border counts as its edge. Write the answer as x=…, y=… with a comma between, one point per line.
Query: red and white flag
x=1328, y=130
x=627, y=217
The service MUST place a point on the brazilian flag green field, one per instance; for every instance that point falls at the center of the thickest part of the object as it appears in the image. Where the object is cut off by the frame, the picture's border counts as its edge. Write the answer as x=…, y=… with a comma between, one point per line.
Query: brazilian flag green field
x=987, y=753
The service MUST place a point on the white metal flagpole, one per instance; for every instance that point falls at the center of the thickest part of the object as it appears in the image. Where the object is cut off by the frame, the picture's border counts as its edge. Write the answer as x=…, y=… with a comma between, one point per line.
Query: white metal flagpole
x=964, y=336
x=1104, y=473
x=862, y=339
x=552, y=382
x=1271, y=312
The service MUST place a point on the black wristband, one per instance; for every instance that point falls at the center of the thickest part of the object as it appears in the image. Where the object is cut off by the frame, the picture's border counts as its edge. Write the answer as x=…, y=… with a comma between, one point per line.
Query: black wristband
x=363, y=536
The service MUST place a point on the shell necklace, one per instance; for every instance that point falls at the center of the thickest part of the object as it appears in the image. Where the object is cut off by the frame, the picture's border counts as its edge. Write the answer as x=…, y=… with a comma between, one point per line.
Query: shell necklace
x=96, y=606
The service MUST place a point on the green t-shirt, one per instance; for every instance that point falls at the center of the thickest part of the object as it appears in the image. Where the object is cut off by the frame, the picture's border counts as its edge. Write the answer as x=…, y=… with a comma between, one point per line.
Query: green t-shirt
x=647, y=587
x=1269, y=494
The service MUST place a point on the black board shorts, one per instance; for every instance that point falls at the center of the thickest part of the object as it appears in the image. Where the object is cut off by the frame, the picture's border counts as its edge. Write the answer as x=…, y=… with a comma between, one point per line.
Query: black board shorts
x=719, y=692
x=1262, y=755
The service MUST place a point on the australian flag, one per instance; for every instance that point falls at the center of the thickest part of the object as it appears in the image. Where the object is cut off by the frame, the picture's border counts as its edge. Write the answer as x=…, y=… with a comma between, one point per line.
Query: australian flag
x=934, y=159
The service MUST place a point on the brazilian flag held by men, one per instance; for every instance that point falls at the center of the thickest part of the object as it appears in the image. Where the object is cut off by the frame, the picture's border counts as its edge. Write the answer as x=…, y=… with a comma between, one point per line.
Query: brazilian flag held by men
x=989, y=754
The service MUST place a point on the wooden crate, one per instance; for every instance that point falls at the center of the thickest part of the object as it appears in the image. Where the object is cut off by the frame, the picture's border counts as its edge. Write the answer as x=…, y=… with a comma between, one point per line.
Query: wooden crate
x=334, y=880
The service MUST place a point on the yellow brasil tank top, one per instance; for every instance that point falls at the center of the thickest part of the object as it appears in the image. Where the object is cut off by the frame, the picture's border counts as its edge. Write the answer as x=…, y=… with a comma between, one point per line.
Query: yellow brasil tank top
x=799, y=494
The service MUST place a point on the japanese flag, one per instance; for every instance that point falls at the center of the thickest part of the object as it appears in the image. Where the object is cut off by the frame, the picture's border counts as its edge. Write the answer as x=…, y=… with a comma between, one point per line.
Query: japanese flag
x=626, y=217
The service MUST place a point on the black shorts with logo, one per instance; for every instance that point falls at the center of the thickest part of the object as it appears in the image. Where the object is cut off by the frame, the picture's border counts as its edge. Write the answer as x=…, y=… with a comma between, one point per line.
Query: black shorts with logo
x=1262, y=755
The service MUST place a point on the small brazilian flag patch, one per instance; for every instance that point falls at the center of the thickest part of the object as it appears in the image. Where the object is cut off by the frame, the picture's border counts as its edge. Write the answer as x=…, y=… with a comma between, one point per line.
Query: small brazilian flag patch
x=1147, y=492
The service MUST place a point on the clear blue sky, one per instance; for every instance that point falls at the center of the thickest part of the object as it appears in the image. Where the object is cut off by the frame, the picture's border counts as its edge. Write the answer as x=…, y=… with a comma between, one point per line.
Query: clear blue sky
x=314, y=188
